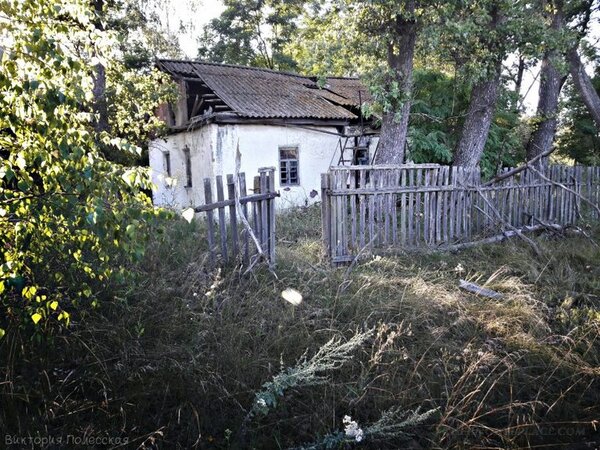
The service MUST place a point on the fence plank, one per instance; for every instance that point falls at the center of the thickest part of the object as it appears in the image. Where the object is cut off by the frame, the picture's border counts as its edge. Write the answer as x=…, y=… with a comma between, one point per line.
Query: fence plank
x=445, y=206
x=264, y=211
x=210, y=223
x=363, y=210
x=243, y=193
x=233, y=217
x=426, y=206
x=272, y=230
x=222, y=223
x=411, y=205
x=353, y=218
x=326, y=212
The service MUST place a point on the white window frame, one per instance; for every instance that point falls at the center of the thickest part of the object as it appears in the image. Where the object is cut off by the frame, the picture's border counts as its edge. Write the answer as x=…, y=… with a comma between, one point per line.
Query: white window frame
x=287, y=169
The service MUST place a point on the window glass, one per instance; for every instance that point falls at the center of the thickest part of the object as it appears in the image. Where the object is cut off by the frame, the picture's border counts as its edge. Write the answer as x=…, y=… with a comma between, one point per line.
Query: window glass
x=288, y=166
x=188, y=167
x=168, y=163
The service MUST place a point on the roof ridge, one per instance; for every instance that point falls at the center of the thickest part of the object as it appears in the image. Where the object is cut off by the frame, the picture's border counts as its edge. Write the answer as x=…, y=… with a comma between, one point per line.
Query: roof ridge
x=312, y=78
x=237, y=66
x=343, y=78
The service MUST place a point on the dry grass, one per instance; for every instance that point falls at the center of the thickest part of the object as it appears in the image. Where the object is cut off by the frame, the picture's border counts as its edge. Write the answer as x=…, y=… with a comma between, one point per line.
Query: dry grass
x=177, y=355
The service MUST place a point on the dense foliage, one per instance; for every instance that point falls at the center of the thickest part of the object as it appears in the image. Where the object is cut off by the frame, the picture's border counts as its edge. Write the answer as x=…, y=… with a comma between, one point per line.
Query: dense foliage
x=438, y=108
x=470, y=40
x=130, y=86
x=252, y=32
x=65, y=212
x=579, y=138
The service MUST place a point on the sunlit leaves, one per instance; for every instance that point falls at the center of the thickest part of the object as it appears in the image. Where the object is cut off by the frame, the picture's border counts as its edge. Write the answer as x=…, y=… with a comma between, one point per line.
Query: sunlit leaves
x=36, y=318
x=64, y=207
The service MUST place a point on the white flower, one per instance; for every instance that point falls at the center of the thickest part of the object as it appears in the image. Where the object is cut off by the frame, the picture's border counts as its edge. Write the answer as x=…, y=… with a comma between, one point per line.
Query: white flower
x=352, y=429
x=459, y=268
x=359, y=435
x=261, y=403
x=292, y=296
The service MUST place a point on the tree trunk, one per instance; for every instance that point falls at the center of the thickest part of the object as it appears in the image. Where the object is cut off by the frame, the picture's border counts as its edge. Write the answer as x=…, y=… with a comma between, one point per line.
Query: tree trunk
x=482, y=106
x=551, y=83
x=477, y=123
x=99, y=89
x=394, y=126
x=542, y=138
x=584, y=85
x=519, y=77
x=100, y=104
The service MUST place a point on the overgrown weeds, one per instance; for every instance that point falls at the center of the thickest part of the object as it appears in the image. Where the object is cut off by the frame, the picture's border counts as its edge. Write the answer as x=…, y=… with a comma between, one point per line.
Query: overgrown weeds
x=183, y=357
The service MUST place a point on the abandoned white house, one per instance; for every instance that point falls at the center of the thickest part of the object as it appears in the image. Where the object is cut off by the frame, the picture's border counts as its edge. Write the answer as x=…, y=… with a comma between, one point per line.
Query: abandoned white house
x=279, y=120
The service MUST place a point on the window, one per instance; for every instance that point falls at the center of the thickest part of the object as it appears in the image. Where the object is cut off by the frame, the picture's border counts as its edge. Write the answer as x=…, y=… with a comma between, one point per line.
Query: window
x=288, y=166
x=167, y=163
x=188, y=166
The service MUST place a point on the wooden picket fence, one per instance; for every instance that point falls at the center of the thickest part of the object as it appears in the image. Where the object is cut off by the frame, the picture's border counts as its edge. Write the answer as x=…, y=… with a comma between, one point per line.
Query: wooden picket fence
x=368, y=208
x=228, y=240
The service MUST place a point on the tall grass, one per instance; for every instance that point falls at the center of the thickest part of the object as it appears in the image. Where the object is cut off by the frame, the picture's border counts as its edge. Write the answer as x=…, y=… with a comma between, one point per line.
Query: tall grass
x=181, y=357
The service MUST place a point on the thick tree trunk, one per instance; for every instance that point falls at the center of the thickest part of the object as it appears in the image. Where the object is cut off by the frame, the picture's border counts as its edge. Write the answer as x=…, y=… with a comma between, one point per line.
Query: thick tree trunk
x=475, y=130
x=100, y=104
x=542, y=138
x=480, y=113
x=551, y=83
x=394, y=126
x=584, y=85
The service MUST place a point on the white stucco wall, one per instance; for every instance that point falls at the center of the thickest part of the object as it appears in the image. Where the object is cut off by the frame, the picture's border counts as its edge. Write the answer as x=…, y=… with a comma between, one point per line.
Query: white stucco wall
x=213, y=150
x=173, y=192
x=259, y=147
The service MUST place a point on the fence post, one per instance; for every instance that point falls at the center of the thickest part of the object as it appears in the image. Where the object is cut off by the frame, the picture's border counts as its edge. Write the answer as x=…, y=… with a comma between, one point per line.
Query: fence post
x=233, y=216
x=209, y=222
x=246, y=243
x=271, y=202
x=256, y=211
x=326, y=213
x=264, y=211
x=222, y=222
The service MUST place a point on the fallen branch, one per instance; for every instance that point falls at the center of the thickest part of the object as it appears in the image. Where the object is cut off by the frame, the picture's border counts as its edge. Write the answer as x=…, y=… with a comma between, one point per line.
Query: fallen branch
x=479, y=290
x=517, y=232
x=516, y=170
x=502, y=237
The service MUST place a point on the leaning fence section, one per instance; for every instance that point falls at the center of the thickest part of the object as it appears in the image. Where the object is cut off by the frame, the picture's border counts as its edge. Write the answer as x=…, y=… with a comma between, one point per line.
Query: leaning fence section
x=410, y=206
x=245, y=232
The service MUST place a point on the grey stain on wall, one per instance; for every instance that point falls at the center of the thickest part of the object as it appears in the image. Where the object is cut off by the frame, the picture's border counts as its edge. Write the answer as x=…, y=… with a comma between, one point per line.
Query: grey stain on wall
x=221, y=137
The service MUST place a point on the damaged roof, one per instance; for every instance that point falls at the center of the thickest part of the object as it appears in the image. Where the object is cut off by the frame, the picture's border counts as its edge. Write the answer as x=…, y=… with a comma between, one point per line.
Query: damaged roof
x=261, y=93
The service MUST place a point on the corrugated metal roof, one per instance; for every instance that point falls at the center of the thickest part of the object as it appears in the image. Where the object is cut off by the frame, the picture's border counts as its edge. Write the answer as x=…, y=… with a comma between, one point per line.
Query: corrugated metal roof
x=349, y=89
x=262, y=93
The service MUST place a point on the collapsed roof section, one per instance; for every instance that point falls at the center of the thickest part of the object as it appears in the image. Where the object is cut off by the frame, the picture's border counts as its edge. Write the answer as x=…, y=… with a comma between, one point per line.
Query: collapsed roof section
x=234, y=94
